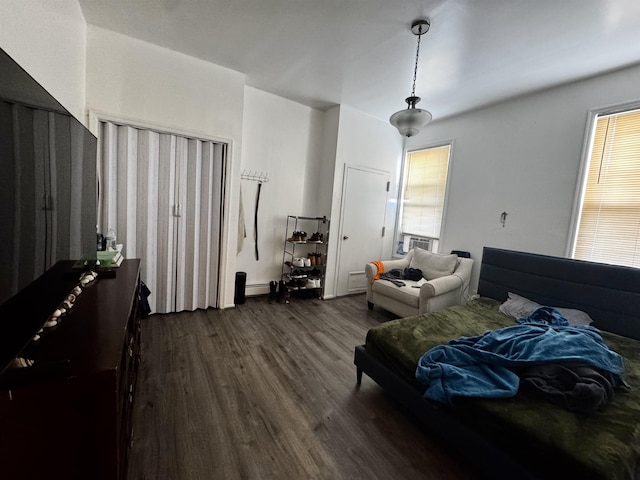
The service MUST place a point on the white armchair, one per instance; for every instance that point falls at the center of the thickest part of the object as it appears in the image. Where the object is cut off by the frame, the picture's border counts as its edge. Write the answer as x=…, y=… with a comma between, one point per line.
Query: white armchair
x=444, y=288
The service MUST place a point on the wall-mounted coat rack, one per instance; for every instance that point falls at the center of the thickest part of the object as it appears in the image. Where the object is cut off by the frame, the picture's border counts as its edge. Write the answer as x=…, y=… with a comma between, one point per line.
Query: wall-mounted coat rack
x=262, y=177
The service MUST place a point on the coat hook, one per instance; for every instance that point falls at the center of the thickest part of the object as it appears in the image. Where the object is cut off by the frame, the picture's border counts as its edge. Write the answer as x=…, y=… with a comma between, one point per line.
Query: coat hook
x=503, y=218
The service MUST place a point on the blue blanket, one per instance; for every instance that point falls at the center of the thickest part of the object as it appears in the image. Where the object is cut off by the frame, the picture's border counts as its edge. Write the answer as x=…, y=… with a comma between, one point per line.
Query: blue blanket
x=483, y=366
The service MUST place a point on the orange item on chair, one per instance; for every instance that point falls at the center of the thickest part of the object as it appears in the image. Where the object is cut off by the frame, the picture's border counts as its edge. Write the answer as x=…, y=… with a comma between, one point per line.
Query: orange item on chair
x=380, y=267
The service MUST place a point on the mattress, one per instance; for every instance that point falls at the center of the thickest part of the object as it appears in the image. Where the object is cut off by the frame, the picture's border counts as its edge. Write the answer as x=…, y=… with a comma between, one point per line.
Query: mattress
x=603, y=445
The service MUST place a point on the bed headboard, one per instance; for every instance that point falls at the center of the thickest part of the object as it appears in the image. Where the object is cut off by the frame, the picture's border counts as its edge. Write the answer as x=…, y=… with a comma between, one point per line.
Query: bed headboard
x=610, y=294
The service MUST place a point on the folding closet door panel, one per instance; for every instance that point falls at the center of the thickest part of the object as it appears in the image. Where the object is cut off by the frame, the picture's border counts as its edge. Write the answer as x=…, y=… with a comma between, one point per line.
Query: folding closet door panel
x=196, y=283
x=117, y=183
x=202, y=296
x=181, y=239
x=167, y=210
x=188, y=226
x=126, y=216
x=147, y=212
x=108, y=160
x=216, y=153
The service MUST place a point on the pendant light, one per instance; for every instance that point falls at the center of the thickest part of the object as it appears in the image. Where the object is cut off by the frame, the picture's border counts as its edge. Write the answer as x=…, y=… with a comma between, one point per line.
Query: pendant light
x=412, y=119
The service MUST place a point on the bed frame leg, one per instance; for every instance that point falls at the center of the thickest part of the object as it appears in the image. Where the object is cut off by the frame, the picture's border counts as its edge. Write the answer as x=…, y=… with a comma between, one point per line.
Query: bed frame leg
x=359, y=376
x=370, y=305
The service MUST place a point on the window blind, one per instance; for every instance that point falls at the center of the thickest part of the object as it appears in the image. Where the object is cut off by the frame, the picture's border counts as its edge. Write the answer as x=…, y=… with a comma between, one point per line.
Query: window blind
x=424, y=190
x=609, y=226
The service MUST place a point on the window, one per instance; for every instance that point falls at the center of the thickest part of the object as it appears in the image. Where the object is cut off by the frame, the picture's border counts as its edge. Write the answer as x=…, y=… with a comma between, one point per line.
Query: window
x=423, y=194
x=609, y=221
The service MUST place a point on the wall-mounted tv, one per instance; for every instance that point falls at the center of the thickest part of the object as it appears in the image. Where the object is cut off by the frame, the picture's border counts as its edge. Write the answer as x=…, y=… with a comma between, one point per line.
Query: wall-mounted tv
x=47, y=182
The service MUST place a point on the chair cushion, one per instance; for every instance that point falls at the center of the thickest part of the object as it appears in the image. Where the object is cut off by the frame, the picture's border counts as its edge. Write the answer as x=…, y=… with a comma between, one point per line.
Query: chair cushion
x=433, y=265
x=407, y=295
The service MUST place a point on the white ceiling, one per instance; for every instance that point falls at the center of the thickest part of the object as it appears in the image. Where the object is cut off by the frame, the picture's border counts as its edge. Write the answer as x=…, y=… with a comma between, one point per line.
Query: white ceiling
x=361, y=52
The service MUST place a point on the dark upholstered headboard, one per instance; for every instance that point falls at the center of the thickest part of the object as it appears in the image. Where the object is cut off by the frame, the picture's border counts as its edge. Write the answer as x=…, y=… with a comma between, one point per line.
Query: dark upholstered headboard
x=609, y=294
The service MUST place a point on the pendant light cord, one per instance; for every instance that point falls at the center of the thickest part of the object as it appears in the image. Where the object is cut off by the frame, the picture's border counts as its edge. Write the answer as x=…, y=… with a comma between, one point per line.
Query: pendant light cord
x=415, y=70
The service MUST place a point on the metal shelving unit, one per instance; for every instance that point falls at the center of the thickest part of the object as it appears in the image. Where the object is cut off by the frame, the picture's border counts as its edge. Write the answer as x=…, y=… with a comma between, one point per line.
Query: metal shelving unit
x=304, y=257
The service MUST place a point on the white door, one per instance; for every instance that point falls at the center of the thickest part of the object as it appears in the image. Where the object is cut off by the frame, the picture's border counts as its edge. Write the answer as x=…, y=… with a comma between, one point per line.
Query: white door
x=364, y=201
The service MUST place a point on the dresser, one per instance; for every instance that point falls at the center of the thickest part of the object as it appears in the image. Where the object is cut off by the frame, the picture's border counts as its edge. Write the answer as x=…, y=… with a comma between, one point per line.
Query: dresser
x=69, y=416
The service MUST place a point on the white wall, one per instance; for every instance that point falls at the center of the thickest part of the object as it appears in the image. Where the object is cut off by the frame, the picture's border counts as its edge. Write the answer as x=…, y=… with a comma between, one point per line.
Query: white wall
x=283, y=139
x=48, y=39
x=137, y=81
x=522, y=157
x=361, y=141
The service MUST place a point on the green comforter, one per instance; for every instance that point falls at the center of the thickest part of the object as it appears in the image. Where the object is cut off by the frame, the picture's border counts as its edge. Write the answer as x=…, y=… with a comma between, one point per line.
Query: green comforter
x=605, y=444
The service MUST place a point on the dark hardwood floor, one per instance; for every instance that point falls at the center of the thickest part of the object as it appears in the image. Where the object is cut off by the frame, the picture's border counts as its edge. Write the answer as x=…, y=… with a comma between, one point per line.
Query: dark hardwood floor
x=268, y=391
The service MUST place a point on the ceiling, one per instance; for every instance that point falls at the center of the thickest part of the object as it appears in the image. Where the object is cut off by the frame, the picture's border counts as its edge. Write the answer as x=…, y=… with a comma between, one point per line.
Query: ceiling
x=361, y=52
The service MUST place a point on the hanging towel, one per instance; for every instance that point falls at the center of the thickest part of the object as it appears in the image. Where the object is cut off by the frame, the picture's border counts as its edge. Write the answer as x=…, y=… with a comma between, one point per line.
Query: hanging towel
x=242, y=228
x=380, y=266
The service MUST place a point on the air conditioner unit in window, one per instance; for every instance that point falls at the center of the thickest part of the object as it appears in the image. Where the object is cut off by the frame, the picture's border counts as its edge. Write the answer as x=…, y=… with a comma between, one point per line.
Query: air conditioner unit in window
x=421, y=242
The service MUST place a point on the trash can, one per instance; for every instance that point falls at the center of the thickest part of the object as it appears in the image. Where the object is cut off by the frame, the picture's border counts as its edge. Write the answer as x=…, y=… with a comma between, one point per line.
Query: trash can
x=241, y=282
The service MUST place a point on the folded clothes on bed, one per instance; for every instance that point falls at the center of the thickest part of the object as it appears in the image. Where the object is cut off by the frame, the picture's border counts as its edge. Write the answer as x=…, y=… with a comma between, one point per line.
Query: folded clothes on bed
x=576, y=387
x=485, y=365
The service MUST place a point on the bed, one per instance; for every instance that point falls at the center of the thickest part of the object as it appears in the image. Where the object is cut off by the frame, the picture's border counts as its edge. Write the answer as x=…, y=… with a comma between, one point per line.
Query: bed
x=524, y=436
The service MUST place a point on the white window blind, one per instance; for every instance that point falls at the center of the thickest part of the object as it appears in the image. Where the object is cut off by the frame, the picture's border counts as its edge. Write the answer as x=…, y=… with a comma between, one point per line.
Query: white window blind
x=609, y=226
x=424, y=190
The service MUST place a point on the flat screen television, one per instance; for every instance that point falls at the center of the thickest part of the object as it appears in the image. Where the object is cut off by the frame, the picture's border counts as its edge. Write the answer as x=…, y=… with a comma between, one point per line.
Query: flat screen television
x=48, y=188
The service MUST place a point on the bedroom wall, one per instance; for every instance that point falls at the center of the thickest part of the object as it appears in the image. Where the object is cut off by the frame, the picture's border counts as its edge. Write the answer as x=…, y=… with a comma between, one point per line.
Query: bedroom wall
x=137, y=81
x=283, y=139
x=522, y=157
x=48, y=39
x=366, y=141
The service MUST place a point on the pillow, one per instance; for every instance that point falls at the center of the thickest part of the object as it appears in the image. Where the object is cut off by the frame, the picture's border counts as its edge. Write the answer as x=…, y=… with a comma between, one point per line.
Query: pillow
x=433, y=265
x=577, y=318
x=518, y=307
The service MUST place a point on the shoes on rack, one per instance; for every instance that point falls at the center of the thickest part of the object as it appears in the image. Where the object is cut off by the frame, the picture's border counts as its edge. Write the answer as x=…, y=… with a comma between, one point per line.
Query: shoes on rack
x=303, y=236
x=316, y=237
x=313, y=283
x=296, y=237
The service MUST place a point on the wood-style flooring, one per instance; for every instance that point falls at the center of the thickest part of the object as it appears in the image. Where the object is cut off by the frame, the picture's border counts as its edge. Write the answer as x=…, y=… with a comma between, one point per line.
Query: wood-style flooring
x=268, y=391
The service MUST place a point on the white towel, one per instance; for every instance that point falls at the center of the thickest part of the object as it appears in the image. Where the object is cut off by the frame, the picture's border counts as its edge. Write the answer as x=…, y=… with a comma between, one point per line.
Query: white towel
x=242, y=228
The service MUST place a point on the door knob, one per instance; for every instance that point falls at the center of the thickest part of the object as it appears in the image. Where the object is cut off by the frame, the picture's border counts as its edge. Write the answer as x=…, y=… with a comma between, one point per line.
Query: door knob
x=345, y=238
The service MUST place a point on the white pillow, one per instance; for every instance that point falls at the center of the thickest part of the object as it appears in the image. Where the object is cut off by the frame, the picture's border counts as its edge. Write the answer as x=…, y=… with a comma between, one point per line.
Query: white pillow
x=433, y=265
x=577, y=318
x=518, y=307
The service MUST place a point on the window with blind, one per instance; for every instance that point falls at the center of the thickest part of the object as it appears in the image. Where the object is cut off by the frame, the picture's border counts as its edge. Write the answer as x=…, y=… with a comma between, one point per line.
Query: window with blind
x=609, y=221
x=424, y=190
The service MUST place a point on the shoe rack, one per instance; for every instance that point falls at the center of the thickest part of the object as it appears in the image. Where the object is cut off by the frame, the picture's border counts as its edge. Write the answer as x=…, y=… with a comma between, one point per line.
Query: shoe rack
x=304, y=257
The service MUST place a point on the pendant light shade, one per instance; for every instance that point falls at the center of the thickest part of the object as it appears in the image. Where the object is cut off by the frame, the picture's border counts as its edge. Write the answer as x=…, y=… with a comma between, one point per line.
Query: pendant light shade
x=410, y=121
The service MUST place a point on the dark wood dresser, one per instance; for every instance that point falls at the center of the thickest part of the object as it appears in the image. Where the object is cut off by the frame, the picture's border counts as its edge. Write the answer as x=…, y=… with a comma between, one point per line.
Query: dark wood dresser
x=69, y=416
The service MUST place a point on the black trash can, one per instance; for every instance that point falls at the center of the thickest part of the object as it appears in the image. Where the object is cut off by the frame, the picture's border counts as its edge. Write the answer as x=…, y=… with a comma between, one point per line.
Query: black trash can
x=241, y=282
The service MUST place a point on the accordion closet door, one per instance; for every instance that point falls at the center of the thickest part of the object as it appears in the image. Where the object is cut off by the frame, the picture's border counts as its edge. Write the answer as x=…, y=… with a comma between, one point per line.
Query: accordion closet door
x=162, y=194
